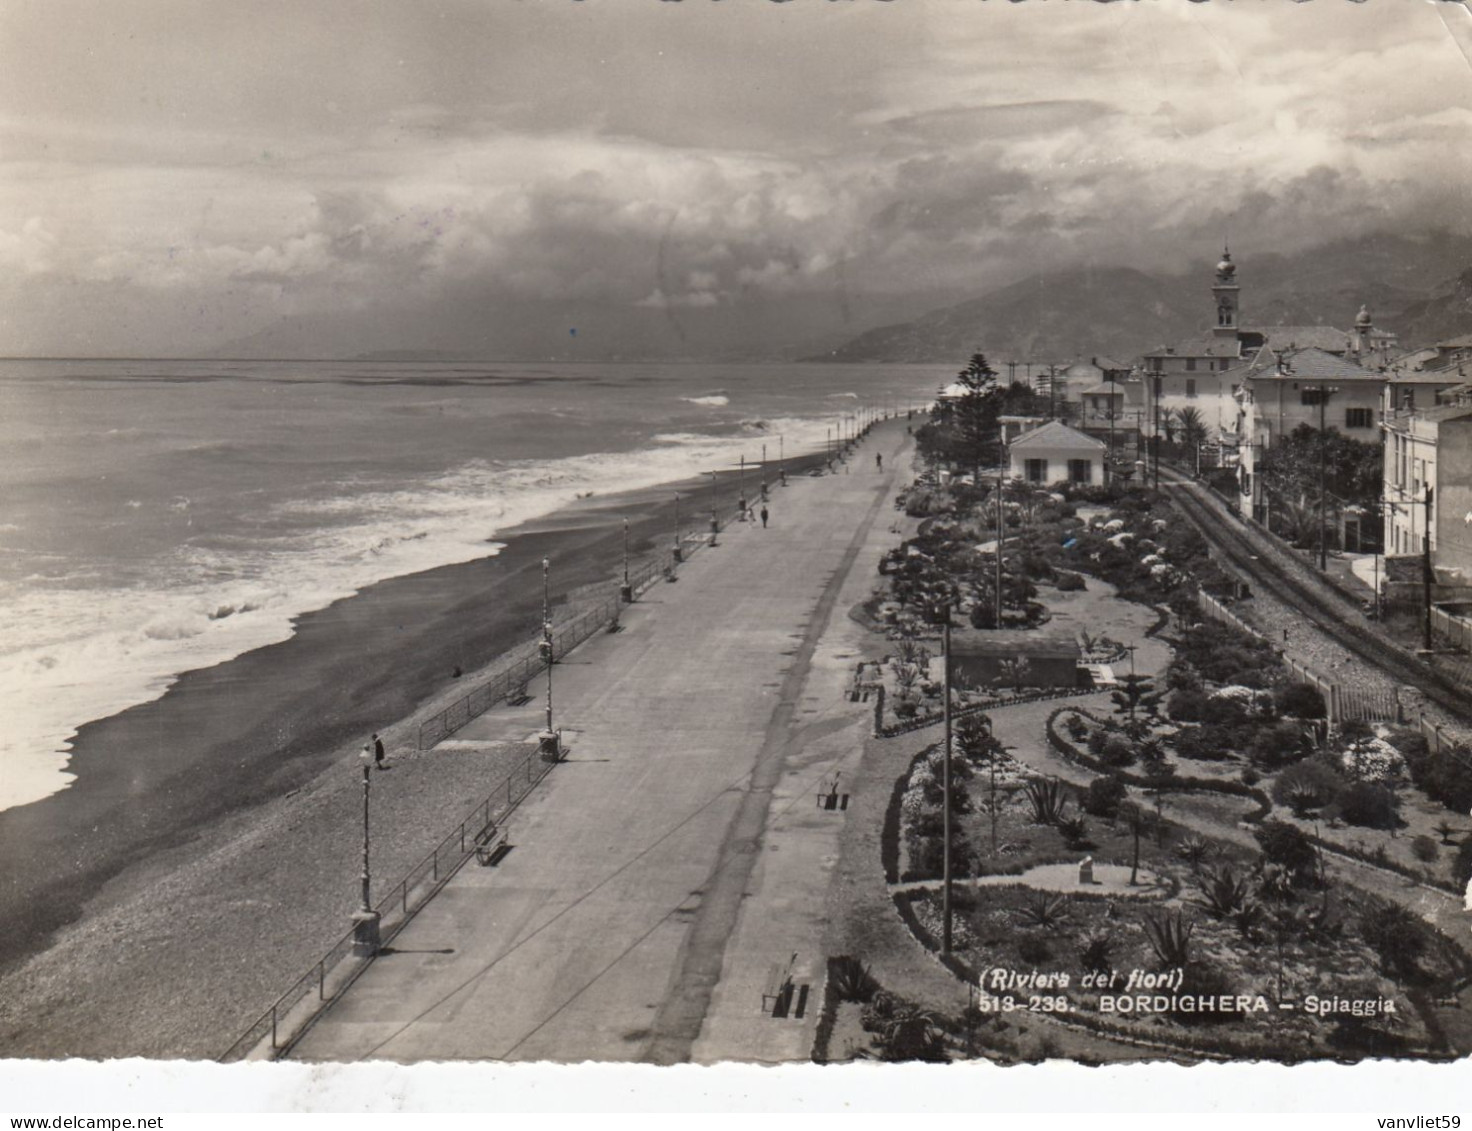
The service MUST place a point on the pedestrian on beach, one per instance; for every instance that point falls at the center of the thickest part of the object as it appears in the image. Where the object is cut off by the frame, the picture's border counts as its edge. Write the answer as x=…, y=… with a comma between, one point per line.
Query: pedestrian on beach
x=879, y=461
x=377, y=751
x=764, y=517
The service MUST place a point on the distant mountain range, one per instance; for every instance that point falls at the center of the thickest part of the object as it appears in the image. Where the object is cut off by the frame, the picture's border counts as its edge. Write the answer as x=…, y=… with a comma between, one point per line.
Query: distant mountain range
x=1417, y=287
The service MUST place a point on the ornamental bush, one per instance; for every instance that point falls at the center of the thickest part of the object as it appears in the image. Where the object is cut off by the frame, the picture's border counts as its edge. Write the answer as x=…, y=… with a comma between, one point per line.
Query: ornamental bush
x=1186, y=706
x=1301, y=700
x=1286, y=845
x=1369, y=805
x=1104, y=797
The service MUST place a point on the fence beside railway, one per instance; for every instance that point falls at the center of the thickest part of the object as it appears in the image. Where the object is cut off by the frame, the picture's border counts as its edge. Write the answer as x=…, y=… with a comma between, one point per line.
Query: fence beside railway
x=1341, y=704
x=1456, y=630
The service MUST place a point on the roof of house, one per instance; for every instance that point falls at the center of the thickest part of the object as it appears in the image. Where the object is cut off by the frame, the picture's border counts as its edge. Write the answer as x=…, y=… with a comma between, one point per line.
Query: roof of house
x=1305, y=337
x=1057, y=435
x=1313, y=363
x=1107, y=363
x=1204, y=346
x=1441, y=413
x=1009, y=642
x=1111, y=388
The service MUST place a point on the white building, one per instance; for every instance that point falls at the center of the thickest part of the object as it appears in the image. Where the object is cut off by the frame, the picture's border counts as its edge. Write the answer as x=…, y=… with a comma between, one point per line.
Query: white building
x=1283, y=390
x=1056, y=453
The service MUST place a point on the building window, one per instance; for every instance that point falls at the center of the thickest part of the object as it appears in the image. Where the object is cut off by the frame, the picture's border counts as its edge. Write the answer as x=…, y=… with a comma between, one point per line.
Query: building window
x=1359, y=418
x=1311, y=395
x=1036, y=470
x=1190, y=386
x=1080, y=471
x=1190, y=365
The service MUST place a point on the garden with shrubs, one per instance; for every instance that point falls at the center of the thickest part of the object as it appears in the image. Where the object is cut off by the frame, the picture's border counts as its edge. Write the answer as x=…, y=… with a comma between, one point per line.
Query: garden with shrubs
x=1268, y=921
x=1260, y=912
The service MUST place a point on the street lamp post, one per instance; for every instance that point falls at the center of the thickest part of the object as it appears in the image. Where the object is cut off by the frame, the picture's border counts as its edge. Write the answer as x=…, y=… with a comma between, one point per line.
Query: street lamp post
x=626, y=591
x=781, y=463
x=677, y=553
x=366, y=939
x=715, y=522
x=741, y=492
x=549, y=741
x=764, y=473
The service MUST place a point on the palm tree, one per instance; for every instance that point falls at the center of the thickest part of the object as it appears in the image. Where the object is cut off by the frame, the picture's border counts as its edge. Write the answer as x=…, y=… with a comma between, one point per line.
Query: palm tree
x=1193, y=431
x=1169, y=418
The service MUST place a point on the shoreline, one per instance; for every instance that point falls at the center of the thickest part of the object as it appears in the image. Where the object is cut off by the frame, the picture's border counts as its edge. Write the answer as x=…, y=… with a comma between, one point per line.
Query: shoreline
x=229, y=738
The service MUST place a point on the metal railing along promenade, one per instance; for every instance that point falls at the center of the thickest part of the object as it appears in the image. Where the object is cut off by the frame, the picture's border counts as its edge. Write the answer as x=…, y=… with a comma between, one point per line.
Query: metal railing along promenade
x=290, y=1014
x=525, y=662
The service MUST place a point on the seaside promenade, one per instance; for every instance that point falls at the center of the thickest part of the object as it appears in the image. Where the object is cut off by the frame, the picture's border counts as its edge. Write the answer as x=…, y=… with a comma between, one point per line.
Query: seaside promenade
x=678, y=855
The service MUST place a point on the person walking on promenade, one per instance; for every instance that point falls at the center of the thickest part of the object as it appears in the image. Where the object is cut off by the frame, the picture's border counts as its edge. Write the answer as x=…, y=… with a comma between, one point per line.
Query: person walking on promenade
x=879, y=461
x=377, y=751
x=764, y=516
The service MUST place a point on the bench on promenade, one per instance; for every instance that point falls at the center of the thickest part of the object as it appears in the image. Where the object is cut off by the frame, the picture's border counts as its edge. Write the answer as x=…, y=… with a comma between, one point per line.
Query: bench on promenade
x=517, y=696
x=778, y=989
x=828, y=796
x=489, y=843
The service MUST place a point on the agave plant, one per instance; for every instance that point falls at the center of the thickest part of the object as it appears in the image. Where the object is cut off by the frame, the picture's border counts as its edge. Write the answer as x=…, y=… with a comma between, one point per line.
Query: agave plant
x=852, y=981
x=1075, y=831
x=1045, y=910
x=1223, y=893
x=1303, y=799
x=1095, y=954
x=1249, y=918
x=1169, y=935
x=1047, y=799
x=1194, y=851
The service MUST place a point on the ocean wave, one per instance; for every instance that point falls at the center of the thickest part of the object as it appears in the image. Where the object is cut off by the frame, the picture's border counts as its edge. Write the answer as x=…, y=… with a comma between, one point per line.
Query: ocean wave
x=717, y=399
x=82, y=652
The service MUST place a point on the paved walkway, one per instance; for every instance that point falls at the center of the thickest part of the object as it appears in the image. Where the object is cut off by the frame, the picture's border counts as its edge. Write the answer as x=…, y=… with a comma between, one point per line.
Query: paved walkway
x=679, y=852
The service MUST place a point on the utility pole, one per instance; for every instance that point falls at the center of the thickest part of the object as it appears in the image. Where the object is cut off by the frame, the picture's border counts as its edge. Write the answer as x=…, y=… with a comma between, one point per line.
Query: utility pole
x=1001, y=521
x=1426, y=568
x=1155, y=430
x=1109, y=464
x=1324, y=393
x=945, y=780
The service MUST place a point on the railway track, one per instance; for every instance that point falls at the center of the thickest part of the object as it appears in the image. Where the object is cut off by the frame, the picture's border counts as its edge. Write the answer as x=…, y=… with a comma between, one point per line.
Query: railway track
x=1251, y=554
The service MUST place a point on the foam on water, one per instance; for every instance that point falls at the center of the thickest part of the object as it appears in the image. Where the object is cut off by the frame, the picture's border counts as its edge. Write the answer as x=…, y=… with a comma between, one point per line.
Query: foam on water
x=76, y=650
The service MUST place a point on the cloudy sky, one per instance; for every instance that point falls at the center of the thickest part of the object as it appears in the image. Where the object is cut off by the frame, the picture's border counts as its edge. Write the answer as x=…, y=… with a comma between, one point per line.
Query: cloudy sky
x=179, y=174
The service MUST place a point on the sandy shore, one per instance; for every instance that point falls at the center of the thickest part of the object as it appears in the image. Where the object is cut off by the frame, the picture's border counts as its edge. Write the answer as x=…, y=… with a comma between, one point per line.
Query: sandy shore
x=204, y=845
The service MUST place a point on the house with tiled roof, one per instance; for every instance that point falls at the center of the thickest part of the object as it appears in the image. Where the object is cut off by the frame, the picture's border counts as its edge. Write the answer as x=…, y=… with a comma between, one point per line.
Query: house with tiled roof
x=1283, y=389
x=1056, y=453
x=1206, y=372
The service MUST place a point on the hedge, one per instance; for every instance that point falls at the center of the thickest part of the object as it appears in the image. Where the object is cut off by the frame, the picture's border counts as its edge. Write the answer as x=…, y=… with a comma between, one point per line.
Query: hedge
x=1173, y=785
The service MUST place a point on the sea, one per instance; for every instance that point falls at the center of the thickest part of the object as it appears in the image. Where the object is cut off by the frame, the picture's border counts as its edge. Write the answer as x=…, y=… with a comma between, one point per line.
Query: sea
x=158, y=517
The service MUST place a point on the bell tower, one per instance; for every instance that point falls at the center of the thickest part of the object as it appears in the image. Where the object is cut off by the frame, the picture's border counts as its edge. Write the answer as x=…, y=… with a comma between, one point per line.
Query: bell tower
x=1225, y=292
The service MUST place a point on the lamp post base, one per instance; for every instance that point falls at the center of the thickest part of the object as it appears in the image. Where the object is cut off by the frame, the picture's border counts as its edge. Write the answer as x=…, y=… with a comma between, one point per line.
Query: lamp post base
x=626, y=594
x=549, y=745
x=366, y=939
x=678, y=554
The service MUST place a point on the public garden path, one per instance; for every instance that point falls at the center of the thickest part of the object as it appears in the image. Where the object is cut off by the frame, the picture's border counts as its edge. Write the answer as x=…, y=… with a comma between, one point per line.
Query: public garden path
x=679, y=853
